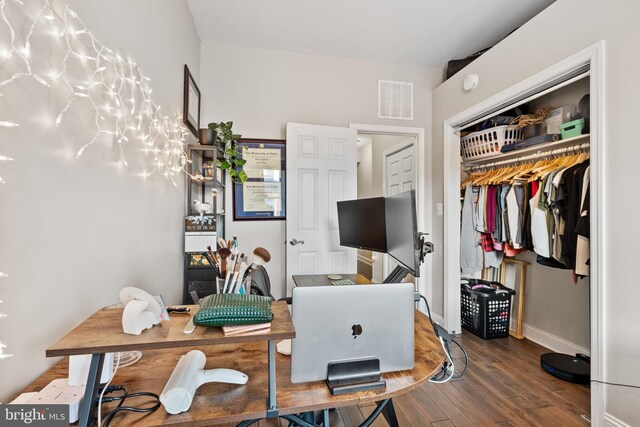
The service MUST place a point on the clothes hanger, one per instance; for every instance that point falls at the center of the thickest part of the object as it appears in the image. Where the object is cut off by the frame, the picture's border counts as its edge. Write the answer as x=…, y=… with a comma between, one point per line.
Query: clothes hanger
x=469, y=179
x=481, y=179
x=504, y=173
x=496, y=178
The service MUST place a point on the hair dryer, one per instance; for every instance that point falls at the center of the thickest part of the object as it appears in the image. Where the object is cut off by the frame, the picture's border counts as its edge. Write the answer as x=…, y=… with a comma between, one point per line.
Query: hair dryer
x=188, y=375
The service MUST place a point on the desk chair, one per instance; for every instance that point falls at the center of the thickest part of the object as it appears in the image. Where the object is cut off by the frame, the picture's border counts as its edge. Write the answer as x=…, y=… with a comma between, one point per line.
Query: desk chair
x=260, y=283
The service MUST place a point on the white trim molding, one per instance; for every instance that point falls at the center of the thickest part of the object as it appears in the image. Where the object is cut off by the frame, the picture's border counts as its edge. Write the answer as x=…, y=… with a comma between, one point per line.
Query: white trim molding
x=552, y=342
x=613, y=421
x=594, y=57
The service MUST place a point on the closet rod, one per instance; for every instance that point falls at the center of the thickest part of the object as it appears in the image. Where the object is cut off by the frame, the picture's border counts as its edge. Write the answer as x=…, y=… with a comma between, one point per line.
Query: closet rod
x=578, y=148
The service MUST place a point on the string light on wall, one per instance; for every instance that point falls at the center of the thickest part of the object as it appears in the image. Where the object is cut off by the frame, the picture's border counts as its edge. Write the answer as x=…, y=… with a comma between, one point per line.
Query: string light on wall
x=118, y=94
x=3, y=355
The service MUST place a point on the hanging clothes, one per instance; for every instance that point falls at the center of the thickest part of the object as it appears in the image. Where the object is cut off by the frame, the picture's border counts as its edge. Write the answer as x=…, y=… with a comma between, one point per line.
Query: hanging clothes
x=480, y=210
x=470, y=250
x=513, y=217
x=542, y=207
x=571, y=186
x=556, y=243
x=491, y=208
x=539, y=231
x=527, y=238
x=583, y=229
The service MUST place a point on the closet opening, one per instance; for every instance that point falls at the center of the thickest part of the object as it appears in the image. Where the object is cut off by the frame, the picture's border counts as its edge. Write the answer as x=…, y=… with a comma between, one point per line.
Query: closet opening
x=562, y=299
x=525, y=214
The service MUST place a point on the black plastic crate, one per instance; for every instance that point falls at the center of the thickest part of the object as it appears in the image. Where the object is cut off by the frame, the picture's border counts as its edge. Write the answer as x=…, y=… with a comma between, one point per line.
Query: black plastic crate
x=486, y=311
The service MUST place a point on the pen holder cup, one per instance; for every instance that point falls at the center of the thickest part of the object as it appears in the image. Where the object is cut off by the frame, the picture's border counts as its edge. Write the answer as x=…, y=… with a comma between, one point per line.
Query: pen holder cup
x=219, y=285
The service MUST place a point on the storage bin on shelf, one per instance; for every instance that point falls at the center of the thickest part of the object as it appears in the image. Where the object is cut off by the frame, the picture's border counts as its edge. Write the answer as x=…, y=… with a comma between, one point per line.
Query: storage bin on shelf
x=571, y=129
x=487, y=143
x=485, y=312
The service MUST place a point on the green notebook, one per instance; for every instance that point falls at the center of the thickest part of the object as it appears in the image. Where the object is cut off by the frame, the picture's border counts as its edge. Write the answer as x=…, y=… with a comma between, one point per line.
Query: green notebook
x=233, y=309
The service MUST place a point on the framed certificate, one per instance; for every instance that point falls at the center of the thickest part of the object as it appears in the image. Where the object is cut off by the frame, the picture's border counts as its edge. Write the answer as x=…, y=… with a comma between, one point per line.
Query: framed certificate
x=262, y=195
x=191, y=103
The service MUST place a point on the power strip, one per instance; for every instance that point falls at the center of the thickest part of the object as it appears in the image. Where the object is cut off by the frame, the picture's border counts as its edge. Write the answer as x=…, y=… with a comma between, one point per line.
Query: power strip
x=57, y=392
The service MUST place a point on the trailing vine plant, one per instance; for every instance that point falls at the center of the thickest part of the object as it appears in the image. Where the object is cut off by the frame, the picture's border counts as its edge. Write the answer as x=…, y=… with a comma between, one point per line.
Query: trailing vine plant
x=227, y=143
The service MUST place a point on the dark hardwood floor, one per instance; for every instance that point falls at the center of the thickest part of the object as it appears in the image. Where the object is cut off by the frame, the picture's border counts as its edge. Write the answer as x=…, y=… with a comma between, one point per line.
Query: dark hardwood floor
x=504, y=385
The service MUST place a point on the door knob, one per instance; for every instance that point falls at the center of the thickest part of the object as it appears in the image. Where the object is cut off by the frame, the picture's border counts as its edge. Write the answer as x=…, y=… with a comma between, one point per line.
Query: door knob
x=296, y=241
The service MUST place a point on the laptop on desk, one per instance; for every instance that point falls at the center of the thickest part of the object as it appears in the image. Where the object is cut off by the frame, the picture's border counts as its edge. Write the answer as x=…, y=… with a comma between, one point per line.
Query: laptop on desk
x=337, y=323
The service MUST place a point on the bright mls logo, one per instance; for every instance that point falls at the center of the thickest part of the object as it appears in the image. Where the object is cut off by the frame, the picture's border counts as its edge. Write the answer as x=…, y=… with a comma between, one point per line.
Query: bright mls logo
x=34, y=415
x=356, y=330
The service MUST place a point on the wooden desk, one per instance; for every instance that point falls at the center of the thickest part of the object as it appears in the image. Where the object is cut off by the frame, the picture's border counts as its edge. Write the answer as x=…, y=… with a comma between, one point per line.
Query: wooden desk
x=225, y=403
x=102, y=333
x=323, y=280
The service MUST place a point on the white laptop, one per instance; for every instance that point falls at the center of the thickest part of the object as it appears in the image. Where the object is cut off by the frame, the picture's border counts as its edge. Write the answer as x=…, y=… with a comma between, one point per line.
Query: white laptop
x=335, y=323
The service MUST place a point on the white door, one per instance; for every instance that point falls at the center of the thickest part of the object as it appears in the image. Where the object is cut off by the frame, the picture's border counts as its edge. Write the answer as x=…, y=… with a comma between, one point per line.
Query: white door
x=399, y=176
x=400, y=169
x=321, y=170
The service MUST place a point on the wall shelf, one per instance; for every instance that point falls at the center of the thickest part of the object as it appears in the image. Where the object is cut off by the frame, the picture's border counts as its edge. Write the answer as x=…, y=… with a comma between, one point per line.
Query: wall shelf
x=205, y=189
x=540, y=148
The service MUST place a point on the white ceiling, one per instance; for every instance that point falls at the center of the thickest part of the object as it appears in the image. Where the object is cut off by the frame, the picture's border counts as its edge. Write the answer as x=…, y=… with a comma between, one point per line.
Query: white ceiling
x=418, y=32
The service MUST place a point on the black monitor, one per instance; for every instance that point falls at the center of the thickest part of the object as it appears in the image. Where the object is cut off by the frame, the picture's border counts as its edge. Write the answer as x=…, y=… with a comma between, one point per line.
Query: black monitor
x=362, y=224
x=403, y=241
x=384, y=224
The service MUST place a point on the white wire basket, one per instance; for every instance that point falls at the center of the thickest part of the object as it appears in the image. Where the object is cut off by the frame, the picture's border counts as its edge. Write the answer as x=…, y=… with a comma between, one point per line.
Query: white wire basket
x=487, y=143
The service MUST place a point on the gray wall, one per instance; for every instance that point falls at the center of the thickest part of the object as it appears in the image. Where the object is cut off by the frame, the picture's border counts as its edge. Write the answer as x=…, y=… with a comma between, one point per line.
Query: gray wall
x=75, y=231
x=365, y=167
x=261, y=90
x=554, y=304
x=545, y=40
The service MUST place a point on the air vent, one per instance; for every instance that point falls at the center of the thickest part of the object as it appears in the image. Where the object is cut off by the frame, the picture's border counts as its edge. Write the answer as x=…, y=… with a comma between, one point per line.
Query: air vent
x=395, y=100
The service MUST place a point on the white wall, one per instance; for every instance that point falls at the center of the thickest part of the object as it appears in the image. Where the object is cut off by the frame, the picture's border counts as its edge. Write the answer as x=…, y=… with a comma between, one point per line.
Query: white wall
x=261, y=90
x=75, y=231
x=545, y=40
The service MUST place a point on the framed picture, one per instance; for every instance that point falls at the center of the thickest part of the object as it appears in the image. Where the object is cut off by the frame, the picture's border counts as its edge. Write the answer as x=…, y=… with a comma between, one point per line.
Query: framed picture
x=263, y=195
x=191, y=104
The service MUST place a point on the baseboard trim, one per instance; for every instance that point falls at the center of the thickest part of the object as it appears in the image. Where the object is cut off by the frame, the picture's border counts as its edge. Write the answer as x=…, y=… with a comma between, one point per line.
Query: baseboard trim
x=613, y=421
x=552, y=342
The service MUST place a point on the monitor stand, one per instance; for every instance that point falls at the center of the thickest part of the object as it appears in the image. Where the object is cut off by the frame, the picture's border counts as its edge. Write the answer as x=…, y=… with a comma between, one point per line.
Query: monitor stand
x=396, y=275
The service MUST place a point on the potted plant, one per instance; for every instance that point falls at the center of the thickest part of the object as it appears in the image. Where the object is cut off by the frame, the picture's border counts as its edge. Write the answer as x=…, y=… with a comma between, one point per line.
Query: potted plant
x=227, y=143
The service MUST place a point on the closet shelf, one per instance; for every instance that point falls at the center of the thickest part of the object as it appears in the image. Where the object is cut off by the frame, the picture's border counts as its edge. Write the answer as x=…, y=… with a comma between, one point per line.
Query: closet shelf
x=540, y=148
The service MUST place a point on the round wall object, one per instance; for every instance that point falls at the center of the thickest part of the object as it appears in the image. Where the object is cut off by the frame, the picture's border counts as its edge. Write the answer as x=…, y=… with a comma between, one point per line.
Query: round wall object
x=470, y=82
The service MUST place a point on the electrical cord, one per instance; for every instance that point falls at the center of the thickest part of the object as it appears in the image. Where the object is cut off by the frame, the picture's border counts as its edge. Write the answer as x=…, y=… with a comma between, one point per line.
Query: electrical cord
x=466, y=360
x=105, y=388
x=429, y=313
x=121, y=399
x=448, y=367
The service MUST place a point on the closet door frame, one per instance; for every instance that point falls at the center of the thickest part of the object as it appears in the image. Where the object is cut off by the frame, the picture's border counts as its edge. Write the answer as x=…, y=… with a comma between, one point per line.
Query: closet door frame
x=593, y=57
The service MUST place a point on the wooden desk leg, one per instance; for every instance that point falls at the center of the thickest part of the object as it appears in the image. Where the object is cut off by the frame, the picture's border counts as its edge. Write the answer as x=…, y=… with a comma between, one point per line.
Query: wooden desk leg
x=86, y=417
x=272, y=404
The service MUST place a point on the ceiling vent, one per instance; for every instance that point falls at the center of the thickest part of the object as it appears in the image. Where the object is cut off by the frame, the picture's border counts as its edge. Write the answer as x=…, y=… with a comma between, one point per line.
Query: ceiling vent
x=395, y=100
